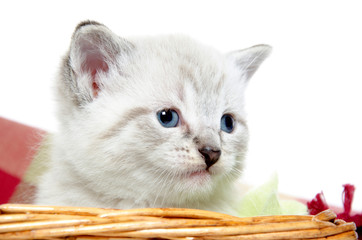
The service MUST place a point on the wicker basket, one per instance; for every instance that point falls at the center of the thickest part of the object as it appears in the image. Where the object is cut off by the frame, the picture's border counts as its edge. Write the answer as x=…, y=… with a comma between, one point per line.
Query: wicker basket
x=46, y=222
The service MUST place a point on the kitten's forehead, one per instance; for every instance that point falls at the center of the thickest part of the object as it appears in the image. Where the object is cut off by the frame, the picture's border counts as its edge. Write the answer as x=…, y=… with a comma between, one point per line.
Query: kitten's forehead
x=177, y=63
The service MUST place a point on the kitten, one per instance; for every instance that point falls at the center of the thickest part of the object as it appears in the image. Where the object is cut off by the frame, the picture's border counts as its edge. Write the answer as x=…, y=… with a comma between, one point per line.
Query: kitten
x=148, y=122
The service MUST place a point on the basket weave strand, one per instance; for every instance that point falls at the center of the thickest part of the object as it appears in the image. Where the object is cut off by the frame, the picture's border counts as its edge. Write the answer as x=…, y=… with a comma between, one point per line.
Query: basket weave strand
x=18, y=221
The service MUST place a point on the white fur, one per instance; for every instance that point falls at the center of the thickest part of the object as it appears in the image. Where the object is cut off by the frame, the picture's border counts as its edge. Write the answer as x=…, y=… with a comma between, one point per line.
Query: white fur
x=111, y=151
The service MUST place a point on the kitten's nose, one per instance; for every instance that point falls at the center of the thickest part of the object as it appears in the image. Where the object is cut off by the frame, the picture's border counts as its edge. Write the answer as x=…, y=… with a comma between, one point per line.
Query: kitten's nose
x=210, y=155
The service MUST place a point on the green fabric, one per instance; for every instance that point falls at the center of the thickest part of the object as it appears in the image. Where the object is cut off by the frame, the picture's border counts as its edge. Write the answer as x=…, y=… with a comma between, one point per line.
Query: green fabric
x=39, y=165
x=264, y=201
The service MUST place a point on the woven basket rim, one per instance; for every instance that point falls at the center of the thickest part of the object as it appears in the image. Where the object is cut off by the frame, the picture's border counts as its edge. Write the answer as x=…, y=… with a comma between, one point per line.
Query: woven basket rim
x=24, y=221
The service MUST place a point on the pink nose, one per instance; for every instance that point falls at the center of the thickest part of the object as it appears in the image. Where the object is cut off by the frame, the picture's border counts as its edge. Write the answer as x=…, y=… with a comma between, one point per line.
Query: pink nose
x=210, y=155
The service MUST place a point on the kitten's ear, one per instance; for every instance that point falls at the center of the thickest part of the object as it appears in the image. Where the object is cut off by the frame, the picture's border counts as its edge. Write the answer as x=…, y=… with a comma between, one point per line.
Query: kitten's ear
x=94, y=52
x=248, y=60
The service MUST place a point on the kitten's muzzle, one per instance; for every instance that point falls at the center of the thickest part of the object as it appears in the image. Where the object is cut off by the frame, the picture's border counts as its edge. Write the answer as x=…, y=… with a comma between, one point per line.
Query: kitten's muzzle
x=211, y=155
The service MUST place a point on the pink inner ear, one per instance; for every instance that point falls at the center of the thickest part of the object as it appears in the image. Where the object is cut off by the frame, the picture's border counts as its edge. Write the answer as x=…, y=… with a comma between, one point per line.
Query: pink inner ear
x=95, y=89
x=93, y=64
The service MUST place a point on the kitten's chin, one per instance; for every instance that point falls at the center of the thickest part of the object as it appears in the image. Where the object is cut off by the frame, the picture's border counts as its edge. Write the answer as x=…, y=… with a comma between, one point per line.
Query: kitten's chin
x=198, y=177
x=202, y=174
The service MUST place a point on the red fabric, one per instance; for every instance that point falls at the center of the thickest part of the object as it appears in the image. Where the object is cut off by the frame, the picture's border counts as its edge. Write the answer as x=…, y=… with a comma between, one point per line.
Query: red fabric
x=17, y=148
x=319, y=204
x=7, y=186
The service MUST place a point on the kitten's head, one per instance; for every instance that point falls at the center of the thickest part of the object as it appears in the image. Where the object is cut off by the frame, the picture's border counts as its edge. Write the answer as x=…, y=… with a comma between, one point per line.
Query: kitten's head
x=163, y=114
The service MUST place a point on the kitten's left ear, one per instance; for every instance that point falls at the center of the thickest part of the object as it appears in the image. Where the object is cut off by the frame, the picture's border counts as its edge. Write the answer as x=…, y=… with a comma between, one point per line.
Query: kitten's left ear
x=248, y=60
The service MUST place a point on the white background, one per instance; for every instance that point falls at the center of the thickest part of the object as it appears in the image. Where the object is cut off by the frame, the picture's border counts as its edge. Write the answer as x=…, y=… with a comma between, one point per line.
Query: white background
x=304, y=104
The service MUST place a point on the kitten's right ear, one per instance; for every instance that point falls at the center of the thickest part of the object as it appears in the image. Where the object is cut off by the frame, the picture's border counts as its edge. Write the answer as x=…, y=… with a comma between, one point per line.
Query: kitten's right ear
x=94, y=51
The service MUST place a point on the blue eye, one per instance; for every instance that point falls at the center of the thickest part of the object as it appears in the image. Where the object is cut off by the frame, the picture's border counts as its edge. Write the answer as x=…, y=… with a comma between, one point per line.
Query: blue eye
x=227, y=123
x=168, y=118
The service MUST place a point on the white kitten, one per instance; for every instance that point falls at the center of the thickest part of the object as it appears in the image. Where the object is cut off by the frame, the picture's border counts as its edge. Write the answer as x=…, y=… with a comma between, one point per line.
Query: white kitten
x=148, y=122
